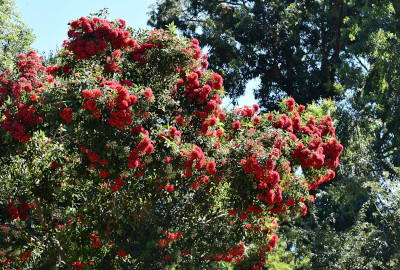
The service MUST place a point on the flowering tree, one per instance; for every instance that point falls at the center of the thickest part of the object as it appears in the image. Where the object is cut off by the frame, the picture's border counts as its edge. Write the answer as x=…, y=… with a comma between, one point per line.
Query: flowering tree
x=120, y=157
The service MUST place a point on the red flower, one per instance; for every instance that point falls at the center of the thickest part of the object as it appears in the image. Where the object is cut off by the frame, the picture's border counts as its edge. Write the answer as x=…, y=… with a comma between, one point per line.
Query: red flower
x=75, y=24
x=162, y=243
x=301, y=108
x=111, y=67
x=5, y=262
x=103, y=173
x=210, y=167
x=25, y=256
x=169, y=188
x=86, y=94
x=236, y=125
x=54, y=165
x=212, y=121
x=96, y=243
x=66, y=69
x=122, y=253
x=273, y=240
x=119, y=181
x=195, y=185
x=243, y=216
x=66, y=114
x=186, y=252
x=251, y=208
x=13, y=212
x=34, y=97
x=97, y=93
x=103, y=162
x=148, y=94
x=304, y=210
x=171, y=237
x=115, y=187
x=232, y=212
x=116, y=54
x=290, y=202
x=179, y=119
x=167, y=257
x=78, y=265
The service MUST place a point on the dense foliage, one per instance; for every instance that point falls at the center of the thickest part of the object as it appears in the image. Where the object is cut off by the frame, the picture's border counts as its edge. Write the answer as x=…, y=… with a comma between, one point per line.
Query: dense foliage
x=350, y=45
x=120, y=157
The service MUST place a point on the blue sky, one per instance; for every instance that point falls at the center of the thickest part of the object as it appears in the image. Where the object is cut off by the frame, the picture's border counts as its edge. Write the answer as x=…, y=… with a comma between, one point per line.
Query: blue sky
x=49, y=22
x=49, y=19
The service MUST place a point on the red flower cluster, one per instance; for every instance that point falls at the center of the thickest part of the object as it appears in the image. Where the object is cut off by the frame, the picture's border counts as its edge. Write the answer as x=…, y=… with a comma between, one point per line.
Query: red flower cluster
x=144, y=147
x=120, y=106
x=155, y=40
x=196, y=154
x=171, y=237
x=203, y=92
x=30, y=66
x=90, y=37
x=26, y=256
x=90, y=102
x=173, y=134
x=233, y=253
x=78, y=265
x=96, y=240
x=66, y=114
x=122, y=253
x=21, y=211
x=332, y=151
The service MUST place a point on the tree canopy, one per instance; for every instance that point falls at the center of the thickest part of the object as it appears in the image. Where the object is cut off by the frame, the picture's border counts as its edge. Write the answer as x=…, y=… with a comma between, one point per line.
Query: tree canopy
x=120, y=157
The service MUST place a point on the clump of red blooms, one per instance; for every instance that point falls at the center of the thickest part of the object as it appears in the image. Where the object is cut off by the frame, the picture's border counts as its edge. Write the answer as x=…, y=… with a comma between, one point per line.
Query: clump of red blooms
x=21, y=211
x=78, y=265
x=92, y=36
x=23, y=115
x=203, y=146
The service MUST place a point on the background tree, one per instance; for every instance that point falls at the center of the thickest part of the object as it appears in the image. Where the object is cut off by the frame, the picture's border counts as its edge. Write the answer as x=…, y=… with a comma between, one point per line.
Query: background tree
x=15, y=36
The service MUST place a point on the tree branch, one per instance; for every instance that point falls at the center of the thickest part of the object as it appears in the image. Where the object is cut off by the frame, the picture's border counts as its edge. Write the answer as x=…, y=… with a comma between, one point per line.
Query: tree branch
x=58, y=245
x=214, y=218
x=362, y=64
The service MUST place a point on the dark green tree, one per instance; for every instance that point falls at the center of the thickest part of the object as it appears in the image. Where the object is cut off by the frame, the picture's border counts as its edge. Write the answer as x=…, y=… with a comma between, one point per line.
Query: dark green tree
x=295, y=48
x=15, y=36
